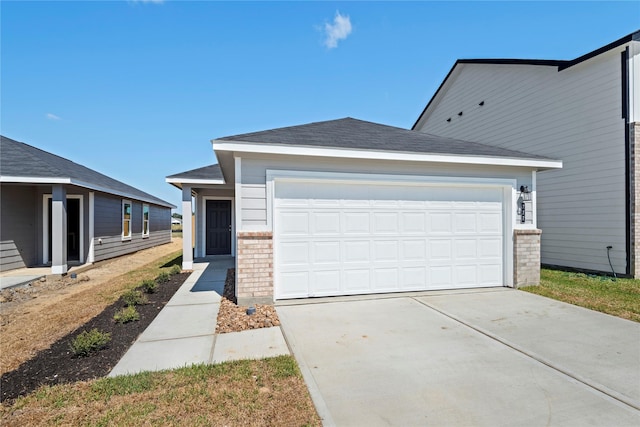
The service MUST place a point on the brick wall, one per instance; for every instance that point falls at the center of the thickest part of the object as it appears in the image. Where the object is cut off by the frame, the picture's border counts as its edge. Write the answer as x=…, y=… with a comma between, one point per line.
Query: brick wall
x=254, y=275
x=526, y=257
x=634, y=172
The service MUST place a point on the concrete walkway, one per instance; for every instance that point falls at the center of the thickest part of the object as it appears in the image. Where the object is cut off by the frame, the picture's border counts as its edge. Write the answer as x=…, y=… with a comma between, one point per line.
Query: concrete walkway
x=495, y=357
x=183, y=333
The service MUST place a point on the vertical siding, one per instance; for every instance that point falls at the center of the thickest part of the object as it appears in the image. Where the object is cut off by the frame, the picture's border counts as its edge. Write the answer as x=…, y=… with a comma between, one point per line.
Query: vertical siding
x=254, y=205
x=18, y=226
x=574, y=116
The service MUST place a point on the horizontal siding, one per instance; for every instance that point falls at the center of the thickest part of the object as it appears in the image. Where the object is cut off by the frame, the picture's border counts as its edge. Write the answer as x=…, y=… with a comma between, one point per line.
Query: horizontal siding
x=574, y=116
x=253, y=197
x=114, y=246
x=18, y=227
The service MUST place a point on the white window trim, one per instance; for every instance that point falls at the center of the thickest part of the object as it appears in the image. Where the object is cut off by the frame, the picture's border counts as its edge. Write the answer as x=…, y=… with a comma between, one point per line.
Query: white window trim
x=146, y=235
x=45, y=226
x=126, y=238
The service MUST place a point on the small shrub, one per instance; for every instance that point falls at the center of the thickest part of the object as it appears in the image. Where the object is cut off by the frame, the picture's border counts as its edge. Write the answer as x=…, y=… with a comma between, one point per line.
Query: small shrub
x=175, y=269
x=126, y=315
x=163, y=277
x=134, y=297
x=89, y=341
x=149, y=286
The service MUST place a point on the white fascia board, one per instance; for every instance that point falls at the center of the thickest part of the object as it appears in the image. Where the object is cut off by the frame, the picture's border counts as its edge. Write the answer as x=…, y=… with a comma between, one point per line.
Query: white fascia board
x=384, y=155
x=34, y=180
x=196, y=181
x=70, y=181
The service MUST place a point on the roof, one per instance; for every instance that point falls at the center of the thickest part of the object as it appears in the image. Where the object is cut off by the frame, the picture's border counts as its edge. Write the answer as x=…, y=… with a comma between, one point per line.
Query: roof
x=211, y=174
x=23, y=163
x=353, y=134
x=560, y=64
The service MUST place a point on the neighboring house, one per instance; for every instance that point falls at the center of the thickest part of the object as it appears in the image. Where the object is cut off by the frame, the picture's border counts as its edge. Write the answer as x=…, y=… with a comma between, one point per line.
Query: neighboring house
x=57, y=212
x=176, y=221
x=351, y=207
x=585, y=112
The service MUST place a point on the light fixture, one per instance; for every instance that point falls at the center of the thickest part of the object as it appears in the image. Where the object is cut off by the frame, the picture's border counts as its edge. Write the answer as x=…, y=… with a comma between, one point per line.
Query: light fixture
x=525, y=193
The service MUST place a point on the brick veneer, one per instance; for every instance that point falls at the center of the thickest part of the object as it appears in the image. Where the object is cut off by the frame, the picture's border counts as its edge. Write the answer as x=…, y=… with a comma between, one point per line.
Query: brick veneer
x=254, y=275
x=634, y=172
x=526, y=257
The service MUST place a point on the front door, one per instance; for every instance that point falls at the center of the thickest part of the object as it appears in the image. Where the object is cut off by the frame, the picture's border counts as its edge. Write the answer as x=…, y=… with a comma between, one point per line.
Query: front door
x=218, y=227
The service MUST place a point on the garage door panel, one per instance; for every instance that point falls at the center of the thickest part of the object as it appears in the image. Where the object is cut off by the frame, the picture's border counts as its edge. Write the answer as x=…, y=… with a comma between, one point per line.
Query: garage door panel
x=326, y=252
x=440, y=222
x=326, y=223
x=385, y=279
x=294, y=223
x=294, y=253
x=414, y=250
x=356, y=251
x=385, y=223
x=356, y=223
x=357, y=280
x=385, y=250
x=334, y=239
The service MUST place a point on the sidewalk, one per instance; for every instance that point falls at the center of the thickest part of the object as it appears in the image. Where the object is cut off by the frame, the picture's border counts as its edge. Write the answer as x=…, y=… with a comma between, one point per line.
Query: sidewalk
x=183, y=333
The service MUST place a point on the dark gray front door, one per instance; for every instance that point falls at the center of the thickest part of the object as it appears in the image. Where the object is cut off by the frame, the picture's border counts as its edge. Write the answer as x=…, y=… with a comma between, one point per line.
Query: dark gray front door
x=218, y=226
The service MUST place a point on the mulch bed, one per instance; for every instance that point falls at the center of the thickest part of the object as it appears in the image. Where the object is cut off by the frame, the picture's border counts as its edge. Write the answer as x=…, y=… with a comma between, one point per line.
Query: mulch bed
x=58, y=365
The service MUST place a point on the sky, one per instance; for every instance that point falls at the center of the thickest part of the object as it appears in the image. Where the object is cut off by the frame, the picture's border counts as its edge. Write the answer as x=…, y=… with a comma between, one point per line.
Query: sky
x=136, y=90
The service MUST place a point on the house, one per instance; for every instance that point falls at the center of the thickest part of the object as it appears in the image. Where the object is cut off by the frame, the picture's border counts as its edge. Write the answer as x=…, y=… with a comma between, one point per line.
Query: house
x=346, y=207
x=584, y=111
x=57, y=212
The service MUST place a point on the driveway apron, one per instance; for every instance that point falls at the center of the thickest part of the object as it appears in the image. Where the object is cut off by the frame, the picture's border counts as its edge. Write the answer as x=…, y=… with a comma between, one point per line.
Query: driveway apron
x=398, y=361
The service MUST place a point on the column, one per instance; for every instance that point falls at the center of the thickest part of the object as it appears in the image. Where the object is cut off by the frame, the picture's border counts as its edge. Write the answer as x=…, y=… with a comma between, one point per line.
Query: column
x=187, y=224
x=59, y=229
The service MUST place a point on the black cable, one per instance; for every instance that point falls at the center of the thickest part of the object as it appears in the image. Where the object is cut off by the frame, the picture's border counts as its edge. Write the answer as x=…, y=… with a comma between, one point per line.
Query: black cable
x=609, y=257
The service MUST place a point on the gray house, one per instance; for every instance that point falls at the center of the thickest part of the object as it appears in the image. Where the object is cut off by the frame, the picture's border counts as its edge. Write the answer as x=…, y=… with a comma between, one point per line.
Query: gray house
x=59, y=213
x=584, y=111
x=348, y=207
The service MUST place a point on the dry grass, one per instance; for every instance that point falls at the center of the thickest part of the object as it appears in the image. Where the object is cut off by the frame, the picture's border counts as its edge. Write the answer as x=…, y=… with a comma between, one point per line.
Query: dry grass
x=619, y=297
x=263, y=392
x=33, y=325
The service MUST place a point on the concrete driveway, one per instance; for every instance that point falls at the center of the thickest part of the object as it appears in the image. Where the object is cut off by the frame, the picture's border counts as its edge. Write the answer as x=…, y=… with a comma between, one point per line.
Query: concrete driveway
x=491, y=357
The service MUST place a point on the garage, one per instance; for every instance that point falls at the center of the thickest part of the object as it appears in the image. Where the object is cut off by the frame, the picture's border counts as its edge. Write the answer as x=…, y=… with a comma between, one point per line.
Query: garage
x=348, y=238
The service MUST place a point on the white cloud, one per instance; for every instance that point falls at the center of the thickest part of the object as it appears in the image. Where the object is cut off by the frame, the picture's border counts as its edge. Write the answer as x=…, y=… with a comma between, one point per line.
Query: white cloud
x=52, y=116
x=339, y=30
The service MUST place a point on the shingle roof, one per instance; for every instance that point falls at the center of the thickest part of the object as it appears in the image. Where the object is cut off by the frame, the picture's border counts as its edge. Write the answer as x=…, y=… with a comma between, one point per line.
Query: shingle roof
x=349, y=133
x=211, y=172
x=21, y=160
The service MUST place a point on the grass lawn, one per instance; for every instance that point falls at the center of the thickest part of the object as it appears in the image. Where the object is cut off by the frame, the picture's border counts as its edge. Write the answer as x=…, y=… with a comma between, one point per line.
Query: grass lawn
x=619, y=297
x=258, y=392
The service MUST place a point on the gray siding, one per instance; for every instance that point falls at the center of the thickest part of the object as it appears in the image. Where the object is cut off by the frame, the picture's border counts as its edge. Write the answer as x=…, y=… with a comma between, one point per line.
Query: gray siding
x=574, y=116
x=108, y=227
x=18, y=227
x=253, y=197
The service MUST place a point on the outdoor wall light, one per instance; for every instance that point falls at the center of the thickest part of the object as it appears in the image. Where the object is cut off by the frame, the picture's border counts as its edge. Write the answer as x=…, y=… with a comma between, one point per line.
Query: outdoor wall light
x=525, y=193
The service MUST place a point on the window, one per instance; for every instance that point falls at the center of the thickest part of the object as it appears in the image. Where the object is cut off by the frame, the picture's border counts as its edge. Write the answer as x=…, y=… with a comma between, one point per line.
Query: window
x=145, y=220
x=126, y=220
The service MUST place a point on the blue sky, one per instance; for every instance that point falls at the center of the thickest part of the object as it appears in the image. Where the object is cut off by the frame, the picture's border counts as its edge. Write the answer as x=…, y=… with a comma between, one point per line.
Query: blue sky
x=137, y=89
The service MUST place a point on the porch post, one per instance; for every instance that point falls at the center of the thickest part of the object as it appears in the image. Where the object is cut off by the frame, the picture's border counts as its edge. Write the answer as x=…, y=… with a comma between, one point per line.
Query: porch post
x=187, y=224
x=58, y=229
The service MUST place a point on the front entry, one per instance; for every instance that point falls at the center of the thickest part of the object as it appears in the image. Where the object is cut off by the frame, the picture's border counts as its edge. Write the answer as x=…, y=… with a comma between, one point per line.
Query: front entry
x=218, y=227
x=74, y=232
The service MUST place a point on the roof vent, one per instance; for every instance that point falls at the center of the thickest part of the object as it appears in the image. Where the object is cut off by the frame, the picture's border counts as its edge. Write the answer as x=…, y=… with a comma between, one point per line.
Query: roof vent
x=481, y=103
x=460, y=113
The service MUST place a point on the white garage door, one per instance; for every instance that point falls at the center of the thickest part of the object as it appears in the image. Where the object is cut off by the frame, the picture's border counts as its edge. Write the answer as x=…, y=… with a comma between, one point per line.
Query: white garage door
x=347, y=239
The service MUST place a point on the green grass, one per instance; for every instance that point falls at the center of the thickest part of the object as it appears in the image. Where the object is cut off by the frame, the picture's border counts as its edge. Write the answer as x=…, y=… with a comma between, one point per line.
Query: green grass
x=247, y=392
x=619, y=297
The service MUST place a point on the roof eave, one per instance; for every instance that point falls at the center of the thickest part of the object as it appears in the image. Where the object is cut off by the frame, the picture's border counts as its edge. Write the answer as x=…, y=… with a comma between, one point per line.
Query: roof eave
x=282, y=149
x=71, y=181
